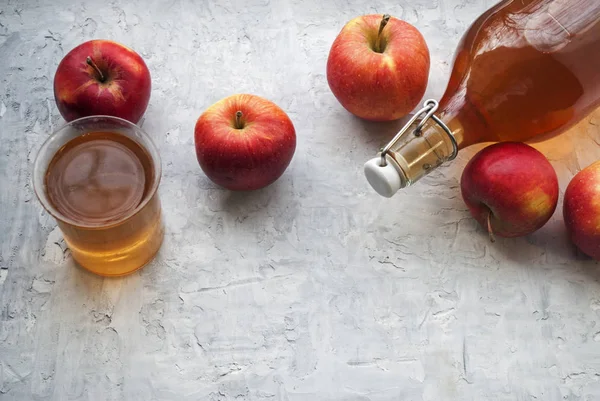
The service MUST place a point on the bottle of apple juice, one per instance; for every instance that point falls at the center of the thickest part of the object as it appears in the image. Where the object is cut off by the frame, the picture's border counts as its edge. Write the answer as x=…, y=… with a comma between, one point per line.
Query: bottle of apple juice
x=524, y=69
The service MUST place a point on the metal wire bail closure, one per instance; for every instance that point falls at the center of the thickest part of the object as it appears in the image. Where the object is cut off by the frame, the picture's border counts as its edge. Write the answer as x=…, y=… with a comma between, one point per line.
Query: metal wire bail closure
x=429, y=108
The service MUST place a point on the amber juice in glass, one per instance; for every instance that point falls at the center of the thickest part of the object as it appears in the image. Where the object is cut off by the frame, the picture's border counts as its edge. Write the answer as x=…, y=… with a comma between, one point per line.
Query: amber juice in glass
x=98, y=176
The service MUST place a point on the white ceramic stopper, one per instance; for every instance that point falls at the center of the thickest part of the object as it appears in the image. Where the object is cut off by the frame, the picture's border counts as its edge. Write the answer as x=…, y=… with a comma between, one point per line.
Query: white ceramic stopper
x=385, y=180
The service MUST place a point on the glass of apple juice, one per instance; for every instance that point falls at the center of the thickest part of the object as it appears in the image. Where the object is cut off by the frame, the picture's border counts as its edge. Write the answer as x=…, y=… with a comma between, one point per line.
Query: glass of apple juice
x=98, y=176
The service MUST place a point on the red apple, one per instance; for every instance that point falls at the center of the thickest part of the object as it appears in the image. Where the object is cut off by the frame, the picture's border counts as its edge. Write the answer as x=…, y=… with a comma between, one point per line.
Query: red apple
x=244, y=142
x=378, y=67
x=581, y=210
x=101, y=77
x=510, y=188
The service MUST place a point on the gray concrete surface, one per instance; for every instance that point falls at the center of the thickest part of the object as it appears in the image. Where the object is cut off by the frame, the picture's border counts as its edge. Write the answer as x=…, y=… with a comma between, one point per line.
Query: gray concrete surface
x=312, y=289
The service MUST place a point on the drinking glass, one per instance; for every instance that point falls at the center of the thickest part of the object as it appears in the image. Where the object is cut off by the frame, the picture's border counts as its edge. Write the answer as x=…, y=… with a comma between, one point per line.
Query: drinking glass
x=119, y=247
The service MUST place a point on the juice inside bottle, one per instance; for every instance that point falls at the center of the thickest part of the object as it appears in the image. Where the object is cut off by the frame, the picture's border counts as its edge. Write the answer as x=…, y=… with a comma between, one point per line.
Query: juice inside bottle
x=524, y=71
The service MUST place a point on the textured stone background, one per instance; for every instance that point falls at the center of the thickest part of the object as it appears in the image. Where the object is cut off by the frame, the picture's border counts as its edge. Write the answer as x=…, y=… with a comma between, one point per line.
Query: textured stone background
x=312, y=289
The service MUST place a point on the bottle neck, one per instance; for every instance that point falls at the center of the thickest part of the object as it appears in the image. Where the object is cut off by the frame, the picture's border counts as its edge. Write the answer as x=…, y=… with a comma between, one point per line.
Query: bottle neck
x=433, y=138
x=419, y=153
x=462, y=118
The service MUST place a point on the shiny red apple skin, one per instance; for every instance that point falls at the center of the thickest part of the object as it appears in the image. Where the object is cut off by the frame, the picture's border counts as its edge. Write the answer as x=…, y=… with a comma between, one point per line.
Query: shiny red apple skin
x=513, y=181
x=378, y=86
x=79, y=91
x=249, y=158
x=581, y=210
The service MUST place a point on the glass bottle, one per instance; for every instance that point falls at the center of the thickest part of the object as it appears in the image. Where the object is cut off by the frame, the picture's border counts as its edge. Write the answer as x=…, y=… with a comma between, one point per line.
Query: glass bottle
x=524, y=69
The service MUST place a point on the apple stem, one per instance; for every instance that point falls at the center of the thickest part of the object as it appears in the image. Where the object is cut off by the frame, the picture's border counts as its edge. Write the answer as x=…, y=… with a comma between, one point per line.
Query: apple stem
x=489, y=227
x=91, y=63
x=238, y=120
x=384, y=21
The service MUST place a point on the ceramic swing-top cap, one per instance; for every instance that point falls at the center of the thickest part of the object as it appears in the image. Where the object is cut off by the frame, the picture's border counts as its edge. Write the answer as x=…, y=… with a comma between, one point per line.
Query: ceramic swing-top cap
x=385, y=180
